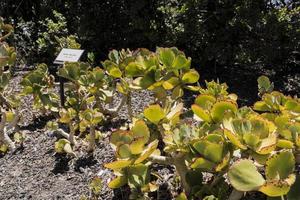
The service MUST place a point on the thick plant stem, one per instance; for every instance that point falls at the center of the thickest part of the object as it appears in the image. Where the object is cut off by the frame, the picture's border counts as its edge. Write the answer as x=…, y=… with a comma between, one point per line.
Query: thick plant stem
x=113, y=112
x=13, y=124
x=92, y=139
x=6, y=140
x=129, y=108
x=62, y=133
x=182, y=169
x=236, y=195
x=3, y=133
x=163, y=160
x=72, y=135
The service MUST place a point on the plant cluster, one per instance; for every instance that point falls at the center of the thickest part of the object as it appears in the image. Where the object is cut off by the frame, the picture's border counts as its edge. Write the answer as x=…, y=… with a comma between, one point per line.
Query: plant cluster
x=9, y=110
x=255, y=148
x=90, y=91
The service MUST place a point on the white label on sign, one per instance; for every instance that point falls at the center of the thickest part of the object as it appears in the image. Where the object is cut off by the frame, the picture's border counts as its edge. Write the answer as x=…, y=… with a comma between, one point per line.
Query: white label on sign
x=68, y=55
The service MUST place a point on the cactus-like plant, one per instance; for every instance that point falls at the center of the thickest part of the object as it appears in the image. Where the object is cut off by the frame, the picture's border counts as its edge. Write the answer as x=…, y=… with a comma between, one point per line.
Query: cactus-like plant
x=166, y=72
x=10, y=112
x=264, y=142
x=257, y=148
x=40, y=84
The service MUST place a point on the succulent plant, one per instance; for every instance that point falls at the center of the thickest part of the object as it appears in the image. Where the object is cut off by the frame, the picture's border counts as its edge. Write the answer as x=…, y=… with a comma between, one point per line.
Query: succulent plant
x=210, y=110
x=133, y=149
x=265, y=142
x=9, y=103
x=279, y=171
x=40, y=84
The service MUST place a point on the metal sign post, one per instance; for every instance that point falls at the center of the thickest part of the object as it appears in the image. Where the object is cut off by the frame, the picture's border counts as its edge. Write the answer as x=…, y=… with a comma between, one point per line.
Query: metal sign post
x=66, y=55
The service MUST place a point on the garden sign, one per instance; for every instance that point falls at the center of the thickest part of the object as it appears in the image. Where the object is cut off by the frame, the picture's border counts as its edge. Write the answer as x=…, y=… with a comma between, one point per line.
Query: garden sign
x=66, y=55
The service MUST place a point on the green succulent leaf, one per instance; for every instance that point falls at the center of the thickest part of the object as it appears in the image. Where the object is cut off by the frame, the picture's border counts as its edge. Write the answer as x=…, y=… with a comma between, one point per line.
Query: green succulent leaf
x=277, y=188
x=177, y=92
x=147, y=80
x=267, y=145
x=147, y=152
x=138, y=175
x=118, y=182
x=205, y=101
x=133, y=70
x=170, y=83
x=181, y=62
x=119, y=164
x=285, y=144
x=121, y=136
x=181, y=196
x=124, y=151
x=154, y=113
x=280, y=166
x=141, y=131
x=234, y=139
x=191, y=77
x=244, y=176
x=261, y=106
x=201, y=163
x=201, y=113
x=63, y=146
x=137, y=146
x=264, y=84
x=96, y=185
x=209, y=150
x=223, y=108
x=166, y=56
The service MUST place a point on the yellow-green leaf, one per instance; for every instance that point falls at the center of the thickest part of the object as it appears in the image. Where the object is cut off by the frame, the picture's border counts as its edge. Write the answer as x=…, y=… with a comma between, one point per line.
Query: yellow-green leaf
x=154, y=113
x=117, y=182
x=119, y=164
x=191, y=77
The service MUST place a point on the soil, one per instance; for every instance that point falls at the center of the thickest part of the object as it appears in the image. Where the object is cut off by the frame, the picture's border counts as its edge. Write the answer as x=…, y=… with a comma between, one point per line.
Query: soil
x=36, y=172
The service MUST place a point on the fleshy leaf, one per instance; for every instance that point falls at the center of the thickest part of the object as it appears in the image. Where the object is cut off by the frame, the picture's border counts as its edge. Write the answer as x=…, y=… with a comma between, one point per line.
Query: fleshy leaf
x=280, y=165
x=140, y=130
x=205, y=101
x=191, y=77
x=154, y=113
x=276, y=188
x=221, y=108
x=119, y=164
x=209, y=150
x=244, y=176
x=137, y=146
x=124, y=151
x=199, y=112
x=202, y=163
x=147, y=152
x=234, y=139
x=117, y=182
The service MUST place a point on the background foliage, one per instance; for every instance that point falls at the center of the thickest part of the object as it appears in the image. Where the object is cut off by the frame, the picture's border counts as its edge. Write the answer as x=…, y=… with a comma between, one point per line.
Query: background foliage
x=220, y=35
